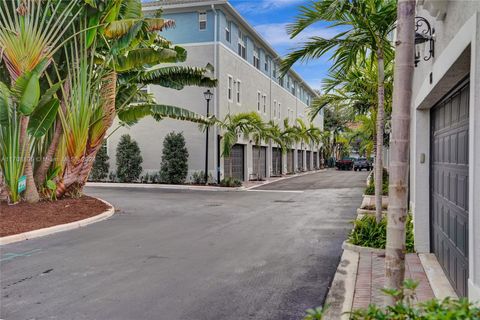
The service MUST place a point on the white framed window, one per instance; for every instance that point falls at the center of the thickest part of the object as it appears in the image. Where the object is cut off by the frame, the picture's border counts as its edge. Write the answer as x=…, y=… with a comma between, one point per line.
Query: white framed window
x=264, y=102
x=228, y=28
x=267, y=58
x=293, y=88
x=242, y=52
x=202, y=20
x=239, y=88
x=274, y=71
x=230, y=88
x=274, y=108
x=256, y=58
x=279, y=110
x=259, y=96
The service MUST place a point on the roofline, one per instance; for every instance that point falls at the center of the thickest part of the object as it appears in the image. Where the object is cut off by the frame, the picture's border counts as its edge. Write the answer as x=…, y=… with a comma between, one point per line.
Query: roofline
x=156, y=5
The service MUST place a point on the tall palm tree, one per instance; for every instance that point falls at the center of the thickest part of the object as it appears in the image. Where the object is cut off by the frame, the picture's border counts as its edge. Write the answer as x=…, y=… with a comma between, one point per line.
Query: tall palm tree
x=398, y=188
x=365, y=28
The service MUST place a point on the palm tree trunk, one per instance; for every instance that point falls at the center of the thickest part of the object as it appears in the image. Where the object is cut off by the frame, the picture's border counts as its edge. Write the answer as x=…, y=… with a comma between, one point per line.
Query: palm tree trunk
x=41, y=172
x=380, y=115
x=398, y=188
x=31, y=193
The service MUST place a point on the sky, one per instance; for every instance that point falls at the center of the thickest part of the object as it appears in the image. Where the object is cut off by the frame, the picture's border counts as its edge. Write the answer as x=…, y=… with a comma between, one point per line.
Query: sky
x=270, y=18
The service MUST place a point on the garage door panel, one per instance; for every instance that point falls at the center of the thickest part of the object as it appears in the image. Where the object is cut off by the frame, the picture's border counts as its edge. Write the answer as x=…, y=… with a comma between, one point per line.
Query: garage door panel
x=235, y=163
x=449, y=186
x=260, y=161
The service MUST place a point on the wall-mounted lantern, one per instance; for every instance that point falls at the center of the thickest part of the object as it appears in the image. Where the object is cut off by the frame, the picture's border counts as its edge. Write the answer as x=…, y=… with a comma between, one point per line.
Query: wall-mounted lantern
x=424, y=34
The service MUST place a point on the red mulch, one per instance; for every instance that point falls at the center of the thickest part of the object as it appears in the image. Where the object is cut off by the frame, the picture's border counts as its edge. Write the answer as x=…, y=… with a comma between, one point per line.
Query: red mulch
x=25, y=217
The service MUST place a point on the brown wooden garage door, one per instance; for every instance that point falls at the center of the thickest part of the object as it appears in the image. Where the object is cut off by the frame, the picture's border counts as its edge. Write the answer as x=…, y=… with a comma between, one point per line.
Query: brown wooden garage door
x=276, y=161
x=449, y=185
x=235, y=163
x=259, y=162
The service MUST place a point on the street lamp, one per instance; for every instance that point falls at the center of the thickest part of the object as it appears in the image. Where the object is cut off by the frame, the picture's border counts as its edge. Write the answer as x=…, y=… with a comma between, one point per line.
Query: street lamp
x=208, y=96
x=423, y=33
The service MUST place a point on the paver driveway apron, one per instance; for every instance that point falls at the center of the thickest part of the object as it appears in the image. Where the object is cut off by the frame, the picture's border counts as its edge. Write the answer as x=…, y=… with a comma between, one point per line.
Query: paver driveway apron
x=180, y=254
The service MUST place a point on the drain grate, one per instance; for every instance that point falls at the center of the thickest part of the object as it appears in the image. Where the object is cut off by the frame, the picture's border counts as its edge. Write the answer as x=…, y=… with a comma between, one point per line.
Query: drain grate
x=284, y=201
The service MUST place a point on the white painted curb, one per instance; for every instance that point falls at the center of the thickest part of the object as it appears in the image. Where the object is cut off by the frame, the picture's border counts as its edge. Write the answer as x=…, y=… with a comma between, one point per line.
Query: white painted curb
x=59, y=228
x=285, y=178
x=160, y=186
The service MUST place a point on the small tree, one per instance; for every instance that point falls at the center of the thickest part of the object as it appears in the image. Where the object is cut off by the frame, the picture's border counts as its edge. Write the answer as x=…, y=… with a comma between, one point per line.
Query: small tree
x=174, y=166
x=129, y=160
x=100, y=166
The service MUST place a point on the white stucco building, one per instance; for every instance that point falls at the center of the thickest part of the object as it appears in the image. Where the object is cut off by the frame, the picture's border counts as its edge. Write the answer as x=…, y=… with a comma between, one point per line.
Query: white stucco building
x=445, y=142
x=246, y=67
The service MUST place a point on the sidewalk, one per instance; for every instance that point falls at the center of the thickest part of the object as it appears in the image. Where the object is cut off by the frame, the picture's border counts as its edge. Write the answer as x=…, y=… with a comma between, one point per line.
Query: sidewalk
x=371, y=279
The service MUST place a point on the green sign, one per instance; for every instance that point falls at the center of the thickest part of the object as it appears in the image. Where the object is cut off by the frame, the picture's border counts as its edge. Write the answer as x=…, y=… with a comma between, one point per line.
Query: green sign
x=22, y=184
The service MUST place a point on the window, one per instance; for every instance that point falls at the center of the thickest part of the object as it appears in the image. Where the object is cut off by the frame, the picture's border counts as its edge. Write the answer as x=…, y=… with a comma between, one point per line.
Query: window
x=279, y=110
x=274, y=108
x=258, y=100
x=274, y=71
x=256, y=59
x=228, y=36
x=241, y=45
x=238, y=91
x=230, y=88
x=266, y=63
x=264, y=97
x=293, y=88
x=202, y=20
x=280, y=81
x=288, y=82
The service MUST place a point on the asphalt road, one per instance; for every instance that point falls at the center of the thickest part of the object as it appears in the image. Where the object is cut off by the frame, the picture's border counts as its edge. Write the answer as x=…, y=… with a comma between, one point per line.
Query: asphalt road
x=172, y=254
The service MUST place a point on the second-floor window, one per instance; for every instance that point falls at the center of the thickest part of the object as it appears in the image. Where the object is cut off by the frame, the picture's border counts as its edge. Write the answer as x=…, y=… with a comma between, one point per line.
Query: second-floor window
x=274, y=108
x=228, y=35
x=241, y=45
x=202, y=20
x=256, y=58
x=230, y=87
x=239, y=87
x=266, y=63
x=264, y=102
x=279, y=110
x=258, y=100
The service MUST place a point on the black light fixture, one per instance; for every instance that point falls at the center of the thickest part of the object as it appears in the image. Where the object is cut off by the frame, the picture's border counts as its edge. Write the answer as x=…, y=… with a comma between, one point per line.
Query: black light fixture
x=423, y=33
x=208, y=96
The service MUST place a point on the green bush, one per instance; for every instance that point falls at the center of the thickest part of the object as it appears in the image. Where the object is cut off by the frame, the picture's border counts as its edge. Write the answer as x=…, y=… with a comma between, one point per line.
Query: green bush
x=368, y=233
x=100, y=166
x=174, y=166
x=198, y=177
x=370, y=190
x=129, y=160
x=230, y=182
x=447, y=309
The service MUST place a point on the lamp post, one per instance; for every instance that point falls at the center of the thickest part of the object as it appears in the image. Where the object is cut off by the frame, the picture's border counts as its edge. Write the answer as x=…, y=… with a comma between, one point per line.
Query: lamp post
x=208, y=96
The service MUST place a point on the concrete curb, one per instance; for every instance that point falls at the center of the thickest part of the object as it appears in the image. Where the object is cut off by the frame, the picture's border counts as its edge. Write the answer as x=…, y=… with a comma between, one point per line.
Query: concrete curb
x=285, y=178
x=160, y=186
x=340, y=295
x=436, y=277
x=360, y=249
x=59, y=228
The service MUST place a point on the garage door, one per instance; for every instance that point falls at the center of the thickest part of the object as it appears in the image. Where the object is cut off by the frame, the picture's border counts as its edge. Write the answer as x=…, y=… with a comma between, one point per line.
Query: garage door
x=234, y=164
x=315, y=160
x=449, y=186
x=290, y=161
x=309, y=160
x=276, y=161
x=260, y=162
x=300, y=160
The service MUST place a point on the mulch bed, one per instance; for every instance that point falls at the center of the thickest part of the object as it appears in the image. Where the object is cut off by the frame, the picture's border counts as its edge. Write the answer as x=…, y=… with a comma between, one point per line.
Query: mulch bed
x=25, y=217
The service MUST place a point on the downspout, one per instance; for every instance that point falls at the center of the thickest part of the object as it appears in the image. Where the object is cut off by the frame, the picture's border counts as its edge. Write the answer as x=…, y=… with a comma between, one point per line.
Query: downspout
x=216, y=107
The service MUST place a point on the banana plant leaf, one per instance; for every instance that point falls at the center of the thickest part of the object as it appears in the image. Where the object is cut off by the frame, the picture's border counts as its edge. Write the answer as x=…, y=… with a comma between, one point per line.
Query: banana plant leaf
x=133, y=113
x=42, y=118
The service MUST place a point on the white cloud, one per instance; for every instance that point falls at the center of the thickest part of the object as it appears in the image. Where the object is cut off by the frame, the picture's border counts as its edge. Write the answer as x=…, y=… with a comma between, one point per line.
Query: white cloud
x=260, y=5
x=276, y=34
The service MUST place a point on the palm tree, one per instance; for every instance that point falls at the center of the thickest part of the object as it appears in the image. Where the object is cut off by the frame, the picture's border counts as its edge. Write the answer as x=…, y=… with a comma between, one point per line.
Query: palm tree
x=366, y=28
x=234, y=126
x=402, y=95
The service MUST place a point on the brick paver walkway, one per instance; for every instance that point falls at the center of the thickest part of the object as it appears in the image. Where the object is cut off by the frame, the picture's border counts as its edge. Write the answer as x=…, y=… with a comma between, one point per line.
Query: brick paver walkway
x=371, y=278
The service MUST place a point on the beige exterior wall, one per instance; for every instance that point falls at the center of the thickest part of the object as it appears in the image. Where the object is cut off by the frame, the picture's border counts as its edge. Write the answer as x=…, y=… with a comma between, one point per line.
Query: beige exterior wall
x=457, y=54
x=150, y=134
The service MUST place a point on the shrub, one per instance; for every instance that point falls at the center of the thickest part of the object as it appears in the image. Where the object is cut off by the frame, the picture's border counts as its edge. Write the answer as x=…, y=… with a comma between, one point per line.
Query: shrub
x=100, y=166
x=230, y=182
x=368, y=233
x=129, y=160
x=370, y=190
x=429, y=310
x=174, y=166
x=198, y=177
